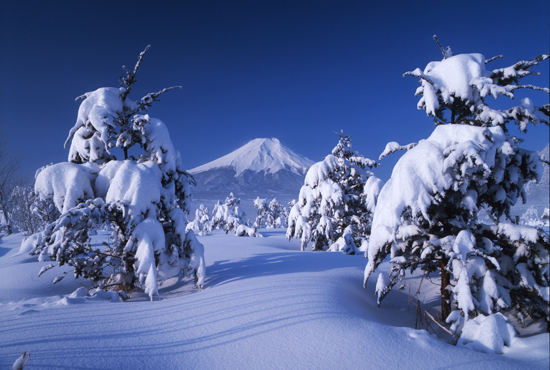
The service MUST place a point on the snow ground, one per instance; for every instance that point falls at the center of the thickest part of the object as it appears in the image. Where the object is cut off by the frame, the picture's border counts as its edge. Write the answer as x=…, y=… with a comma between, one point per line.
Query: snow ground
x=265, y=305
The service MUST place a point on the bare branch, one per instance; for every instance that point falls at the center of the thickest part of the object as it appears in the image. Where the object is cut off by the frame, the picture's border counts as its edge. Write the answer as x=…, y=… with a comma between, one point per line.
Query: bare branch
x=131, y=76
x=441, y=47
x=494, y=58
x=438, y=324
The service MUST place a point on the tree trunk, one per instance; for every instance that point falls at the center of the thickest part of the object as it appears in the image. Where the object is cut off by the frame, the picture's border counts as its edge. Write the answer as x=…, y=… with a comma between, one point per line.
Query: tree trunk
x=445, y=294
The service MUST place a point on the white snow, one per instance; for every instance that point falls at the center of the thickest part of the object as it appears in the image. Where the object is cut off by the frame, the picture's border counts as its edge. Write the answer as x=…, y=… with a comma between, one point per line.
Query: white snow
x=267, y=155
x=66, y=183
x=137, y=185
x=264, y=305
x=488, y=334
x=99, y=110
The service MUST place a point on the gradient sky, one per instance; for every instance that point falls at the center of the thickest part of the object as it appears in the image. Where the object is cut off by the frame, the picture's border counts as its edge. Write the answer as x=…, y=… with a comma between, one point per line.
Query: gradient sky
x=294, y=70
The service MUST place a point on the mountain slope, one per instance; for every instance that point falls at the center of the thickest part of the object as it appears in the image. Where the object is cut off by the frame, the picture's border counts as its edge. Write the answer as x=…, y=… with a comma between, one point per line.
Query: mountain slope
x=267, y=155
x=262, y=167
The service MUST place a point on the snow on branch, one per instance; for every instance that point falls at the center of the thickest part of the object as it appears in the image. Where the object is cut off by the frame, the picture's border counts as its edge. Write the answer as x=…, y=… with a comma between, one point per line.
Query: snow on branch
x=393, y=146
x=512, y=74
x=146, y=102
x=494, y=58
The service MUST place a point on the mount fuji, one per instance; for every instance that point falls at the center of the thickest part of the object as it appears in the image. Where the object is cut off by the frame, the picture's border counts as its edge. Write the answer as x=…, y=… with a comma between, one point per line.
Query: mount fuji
x=263, y=167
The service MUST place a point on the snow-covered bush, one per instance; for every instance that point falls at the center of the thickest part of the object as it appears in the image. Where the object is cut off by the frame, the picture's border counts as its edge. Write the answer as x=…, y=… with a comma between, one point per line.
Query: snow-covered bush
x=269, y=215
x=427, y=213
x=142, y=199
x=333, y=201
x=228, y=216
x=489, y=334
x=243, y=230
x=202, y=224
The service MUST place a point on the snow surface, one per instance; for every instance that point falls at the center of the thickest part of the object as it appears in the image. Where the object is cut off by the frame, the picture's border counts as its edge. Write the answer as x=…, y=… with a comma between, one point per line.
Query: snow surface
x=267, y=155
x=265, y=305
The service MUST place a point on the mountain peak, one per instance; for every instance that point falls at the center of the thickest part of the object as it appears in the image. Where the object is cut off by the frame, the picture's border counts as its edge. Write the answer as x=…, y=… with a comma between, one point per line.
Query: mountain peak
x=262, y=154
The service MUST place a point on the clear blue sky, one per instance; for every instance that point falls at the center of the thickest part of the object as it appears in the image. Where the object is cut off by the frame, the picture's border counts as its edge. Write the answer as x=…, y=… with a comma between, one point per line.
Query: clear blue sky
x=294, y=70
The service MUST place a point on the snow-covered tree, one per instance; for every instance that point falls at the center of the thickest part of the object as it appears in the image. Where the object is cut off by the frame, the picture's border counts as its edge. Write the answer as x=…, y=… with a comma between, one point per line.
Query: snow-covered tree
x=202, y=224
x=228, y=216
x=260, y=205
x=531, y=218
x=427, y=213
x=142, y=199
x=269, y=215
x=332, y=202
x=276, y=216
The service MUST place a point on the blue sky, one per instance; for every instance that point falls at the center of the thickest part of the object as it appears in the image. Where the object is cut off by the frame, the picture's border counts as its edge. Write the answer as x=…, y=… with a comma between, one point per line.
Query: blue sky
x=294, y=70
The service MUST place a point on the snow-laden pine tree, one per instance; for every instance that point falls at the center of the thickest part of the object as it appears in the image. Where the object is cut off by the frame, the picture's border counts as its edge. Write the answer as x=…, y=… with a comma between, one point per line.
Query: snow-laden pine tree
x=531, y=218
x=331, y=209
x=202, y=224
x=142, y=199
x=276, y=215
x=260, y=205
x=269, y=215
x=228, y=216
x=427, y=213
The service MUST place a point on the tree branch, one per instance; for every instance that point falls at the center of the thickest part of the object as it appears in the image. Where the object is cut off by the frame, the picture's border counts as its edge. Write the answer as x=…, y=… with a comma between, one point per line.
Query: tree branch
x=494, y=58
x=441, y=47
x=131, y=76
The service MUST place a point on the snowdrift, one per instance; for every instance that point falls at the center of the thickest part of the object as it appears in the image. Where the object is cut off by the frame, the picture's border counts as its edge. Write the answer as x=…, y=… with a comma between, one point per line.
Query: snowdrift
x=264, y=305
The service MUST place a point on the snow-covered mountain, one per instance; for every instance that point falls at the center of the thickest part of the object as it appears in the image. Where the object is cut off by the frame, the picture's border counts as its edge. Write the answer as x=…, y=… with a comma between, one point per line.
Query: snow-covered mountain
x=263, y=167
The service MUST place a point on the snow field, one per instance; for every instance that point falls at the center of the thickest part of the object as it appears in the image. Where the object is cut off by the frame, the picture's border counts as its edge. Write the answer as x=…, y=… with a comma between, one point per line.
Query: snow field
x=264, y=305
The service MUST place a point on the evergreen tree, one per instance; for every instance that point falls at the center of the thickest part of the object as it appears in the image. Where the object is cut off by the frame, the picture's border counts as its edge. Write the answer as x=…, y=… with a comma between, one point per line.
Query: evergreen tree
x=228, y=216
x=260, y=205
x=202, y=224
x=269, y=215
x=332, y=200
x=427, y=215
x=276, y=214
x=142, y=199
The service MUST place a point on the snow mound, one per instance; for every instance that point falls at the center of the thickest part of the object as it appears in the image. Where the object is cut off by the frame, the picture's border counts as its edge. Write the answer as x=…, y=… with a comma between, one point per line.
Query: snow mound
x=487, y=334
x=267, y=155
